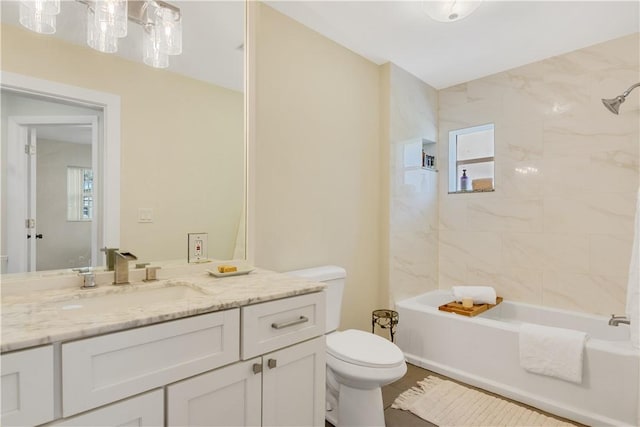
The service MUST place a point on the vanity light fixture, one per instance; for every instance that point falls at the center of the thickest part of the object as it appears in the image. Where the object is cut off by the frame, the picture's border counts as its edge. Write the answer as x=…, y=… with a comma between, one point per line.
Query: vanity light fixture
x=39, y=15
x=449, y=10
x=107, y=22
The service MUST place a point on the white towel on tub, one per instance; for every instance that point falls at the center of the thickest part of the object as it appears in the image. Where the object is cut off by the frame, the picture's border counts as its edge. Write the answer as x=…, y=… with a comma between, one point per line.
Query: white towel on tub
x=555, y=352
x=479, y=294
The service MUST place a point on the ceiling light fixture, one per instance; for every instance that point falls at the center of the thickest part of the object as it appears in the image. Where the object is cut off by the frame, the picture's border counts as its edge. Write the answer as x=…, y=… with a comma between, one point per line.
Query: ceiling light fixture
x=107, y=22
x=449, y=11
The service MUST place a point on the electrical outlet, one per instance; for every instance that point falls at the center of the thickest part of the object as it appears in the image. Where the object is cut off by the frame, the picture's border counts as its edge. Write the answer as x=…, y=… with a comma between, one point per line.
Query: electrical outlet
x=197, y=247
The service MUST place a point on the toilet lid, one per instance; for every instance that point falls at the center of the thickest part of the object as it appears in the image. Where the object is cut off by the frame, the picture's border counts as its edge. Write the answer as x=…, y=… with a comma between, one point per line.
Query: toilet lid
x=364, y=349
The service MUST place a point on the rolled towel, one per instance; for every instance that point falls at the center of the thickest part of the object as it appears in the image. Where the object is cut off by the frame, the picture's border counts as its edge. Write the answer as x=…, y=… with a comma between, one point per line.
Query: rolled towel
x=555, y=352
x=479, y=294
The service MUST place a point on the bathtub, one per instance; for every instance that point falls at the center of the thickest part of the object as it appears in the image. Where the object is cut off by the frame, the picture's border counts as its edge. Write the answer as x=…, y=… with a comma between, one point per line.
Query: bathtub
x=483, y=351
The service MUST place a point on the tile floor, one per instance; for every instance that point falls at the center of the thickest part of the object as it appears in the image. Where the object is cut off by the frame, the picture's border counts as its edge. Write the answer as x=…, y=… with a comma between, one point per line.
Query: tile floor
x=399, y=418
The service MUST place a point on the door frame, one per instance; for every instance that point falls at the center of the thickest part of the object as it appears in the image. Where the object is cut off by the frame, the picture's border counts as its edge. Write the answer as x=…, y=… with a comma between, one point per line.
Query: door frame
x=106, y=157
x=21, y=189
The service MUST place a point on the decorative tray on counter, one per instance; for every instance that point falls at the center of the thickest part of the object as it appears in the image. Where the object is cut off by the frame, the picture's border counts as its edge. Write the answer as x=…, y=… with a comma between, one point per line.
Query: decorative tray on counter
x=241, y=269
x=456, y=307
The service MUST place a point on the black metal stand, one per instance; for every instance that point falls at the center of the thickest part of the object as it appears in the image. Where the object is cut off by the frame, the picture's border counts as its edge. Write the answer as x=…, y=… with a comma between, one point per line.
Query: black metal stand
x=386, y=319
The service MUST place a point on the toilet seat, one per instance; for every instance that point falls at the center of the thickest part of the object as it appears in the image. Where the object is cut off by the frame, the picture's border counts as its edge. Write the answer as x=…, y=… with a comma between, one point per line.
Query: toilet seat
x=364, y=349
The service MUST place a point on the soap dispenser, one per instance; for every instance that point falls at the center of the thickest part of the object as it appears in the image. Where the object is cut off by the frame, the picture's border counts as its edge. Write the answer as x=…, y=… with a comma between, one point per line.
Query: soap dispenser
x=464, y=181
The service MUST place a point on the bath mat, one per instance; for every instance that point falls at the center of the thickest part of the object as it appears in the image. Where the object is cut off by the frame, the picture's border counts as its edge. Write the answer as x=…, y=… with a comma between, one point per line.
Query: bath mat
x=446, y=403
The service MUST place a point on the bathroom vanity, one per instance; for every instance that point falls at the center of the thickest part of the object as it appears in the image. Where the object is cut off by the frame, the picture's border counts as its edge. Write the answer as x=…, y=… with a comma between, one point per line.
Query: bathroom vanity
x=187, y=350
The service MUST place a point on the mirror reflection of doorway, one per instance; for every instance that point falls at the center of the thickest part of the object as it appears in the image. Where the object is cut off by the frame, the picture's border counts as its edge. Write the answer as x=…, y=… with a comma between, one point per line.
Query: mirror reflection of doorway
x=46, y=226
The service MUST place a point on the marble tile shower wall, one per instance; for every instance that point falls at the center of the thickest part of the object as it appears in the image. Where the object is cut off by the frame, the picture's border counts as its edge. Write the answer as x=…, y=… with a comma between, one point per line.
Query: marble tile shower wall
x=413, y=214
x=559, y=227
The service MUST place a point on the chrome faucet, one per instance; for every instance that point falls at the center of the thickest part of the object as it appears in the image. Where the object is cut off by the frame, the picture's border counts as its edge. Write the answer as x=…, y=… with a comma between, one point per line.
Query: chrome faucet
x=615, y=320
x=121, y=270
x=111, y=257
x=88, y=277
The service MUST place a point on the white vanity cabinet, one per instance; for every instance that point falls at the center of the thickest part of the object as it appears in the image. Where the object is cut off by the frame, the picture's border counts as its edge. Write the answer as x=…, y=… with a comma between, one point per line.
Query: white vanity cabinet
x=27, y=387
x=261, y=364
x=284, y=387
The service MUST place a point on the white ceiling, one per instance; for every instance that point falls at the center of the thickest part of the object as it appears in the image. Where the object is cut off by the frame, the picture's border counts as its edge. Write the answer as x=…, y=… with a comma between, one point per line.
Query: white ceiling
x=498, y=36
x=77, y=134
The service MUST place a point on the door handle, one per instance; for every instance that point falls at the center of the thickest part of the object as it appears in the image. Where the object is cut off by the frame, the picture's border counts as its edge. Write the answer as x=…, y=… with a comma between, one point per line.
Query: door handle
x=257, y=368
x=28, y=236
x=39, y=236
x=272, y=363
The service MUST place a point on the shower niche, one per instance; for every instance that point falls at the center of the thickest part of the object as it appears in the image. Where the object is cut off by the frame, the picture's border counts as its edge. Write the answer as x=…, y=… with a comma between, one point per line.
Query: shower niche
x=429, y=155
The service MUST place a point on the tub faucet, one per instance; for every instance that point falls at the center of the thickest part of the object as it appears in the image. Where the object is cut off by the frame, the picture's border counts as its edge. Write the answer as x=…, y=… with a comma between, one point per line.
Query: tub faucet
x=121, y=267
x=615, y=320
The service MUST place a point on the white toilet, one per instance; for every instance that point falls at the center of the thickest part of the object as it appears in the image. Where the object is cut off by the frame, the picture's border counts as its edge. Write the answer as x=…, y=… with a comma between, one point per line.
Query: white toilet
x=358, y=363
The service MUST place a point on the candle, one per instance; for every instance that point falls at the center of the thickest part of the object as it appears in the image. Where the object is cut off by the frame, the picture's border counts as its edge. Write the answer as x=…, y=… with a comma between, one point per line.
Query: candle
x=467, y=302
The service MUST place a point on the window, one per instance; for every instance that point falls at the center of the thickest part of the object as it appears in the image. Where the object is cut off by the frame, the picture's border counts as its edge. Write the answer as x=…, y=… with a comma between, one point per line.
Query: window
x=79, y=194
x=471, y=159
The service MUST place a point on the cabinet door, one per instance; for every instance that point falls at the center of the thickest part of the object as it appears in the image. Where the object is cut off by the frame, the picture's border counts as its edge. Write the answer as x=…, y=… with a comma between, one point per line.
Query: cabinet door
x=228, y=396
x=293, y=385
x=27, y=387
x=144, y=410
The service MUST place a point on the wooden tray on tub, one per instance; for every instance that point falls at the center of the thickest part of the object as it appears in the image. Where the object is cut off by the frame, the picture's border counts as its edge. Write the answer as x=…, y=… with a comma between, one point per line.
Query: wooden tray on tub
x=456, y=307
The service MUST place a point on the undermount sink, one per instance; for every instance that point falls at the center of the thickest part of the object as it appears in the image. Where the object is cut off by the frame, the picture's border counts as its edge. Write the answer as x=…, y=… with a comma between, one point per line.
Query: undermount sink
x=138, y=296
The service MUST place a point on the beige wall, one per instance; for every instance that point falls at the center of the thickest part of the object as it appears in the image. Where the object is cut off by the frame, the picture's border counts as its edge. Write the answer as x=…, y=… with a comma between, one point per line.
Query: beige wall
x=558, y=229
x=413, y=197
x=181, y=145
x=317, y=159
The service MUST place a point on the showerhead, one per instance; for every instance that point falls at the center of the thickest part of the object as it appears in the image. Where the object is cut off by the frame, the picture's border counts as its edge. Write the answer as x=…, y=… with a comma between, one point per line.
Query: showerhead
x=613, y=104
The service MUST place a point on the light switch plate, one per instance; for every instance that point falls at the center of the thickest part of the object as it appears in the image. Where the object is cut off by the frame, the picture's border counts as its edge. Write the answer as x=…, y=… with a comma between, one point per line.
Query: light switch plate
x=145, y=214
x=197, y=249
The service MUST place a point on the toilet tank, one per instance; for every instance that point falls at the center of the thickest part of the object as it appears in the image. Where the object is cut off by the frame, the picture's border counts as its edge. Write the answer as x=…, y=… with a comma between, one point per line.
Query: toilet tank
x=334, y=277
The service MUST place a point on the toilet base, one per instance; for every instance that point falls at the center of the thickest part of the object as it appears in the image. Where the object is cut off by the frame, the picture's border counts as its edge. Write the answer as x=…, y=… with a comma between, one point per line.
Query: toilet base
x=357, y=408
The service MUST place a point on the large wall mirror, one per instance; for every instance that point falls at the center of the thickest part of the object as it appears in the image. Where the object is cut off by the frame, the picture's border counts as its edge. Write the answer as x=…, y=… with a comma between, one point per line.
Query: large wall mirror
x=180, y=160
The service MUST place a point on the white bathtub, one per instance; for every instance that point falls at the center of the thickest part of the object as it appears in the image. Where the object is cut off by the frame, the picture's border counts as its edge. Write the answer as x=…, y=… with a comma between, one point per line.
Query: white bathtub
x=483, y=351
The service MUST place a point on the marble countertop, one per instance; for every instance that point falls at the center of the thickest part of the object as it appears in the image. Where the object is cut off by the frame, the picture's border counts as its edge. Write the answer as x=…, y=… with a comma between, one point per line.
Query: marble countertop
x=41, y=317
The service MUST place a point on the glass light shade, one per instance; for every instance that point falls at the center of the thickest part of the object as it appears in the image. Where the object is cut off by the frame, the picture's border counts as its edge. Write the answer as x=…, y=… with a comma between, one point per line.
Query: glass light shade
x=113, y=14
x=449, y=10
x=39, y=15
x=100, y=37
x=152, y=55
x=169, y=24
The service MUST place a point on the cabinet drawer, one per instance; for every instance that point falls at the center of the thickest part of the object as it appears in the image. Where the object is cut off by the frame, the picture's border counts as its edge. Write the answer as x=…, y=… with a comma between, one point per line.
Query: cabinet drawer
x=144, y=410
x=99, y=370
x=27, y=387
x=276, y=324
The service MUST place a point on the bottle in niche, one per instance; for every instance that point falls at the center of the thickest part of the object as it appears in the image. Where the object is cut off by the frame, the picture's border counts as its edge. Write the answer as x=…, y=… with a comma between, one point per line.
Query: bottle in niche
x=464, y=181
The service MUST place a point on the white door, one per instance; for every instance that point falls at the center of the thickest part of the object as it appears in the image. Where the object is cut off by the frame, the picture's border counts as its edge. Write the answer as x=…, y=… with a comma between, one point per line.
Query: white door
x=293, y=385
x=228, y=396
